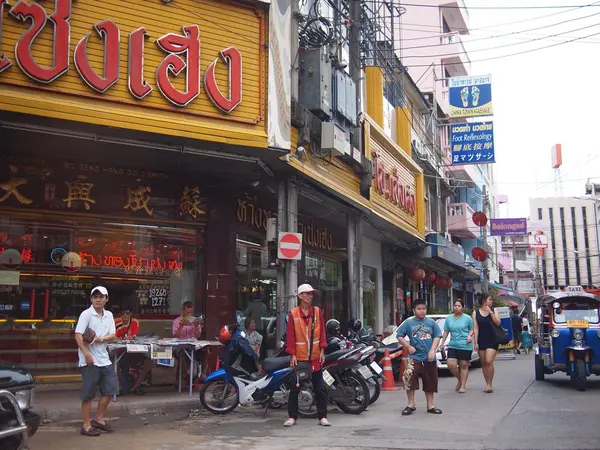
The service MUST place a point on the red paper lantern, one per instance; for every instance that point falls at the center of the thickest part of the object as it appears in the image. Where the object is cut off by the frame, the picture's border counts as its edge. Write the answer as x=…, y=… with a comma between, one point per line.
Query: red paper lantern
x=439, y=282
x=479, y=254
x=480, y=219
x=417, y=274
x=449, y=283
x=430, y=277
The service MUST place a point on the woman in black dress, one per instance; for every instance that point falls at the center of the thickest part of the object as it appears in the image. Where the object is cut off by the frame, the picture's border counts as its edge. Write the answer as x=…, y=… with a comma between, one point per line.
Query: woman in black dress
x=485, y=340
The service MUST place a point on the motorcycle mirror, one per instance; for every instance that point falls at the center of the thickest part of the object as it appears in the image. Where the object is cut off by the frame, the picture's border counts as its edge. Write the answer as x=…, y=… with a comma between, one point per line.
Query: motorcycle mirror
x=556, y=305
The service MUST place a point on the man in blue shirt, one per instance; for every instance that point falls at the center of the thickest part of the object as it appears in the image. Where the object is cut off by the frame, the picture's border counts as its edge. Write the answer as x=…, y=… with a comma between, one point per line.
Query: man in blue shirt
x=424, y=335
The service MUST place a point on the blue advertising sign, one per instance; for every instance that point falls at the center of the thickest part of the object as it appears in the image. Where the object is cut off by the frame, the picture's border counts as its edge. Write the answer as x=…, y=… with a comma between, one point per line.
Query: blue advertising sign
x=470, y=96
x=472, y=143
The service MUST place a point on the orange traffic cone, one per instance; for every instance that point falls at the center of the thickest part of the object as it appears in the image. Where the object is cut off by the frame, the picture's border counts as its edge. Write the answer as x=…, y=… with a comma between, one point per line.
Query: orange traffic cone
x=389, y=383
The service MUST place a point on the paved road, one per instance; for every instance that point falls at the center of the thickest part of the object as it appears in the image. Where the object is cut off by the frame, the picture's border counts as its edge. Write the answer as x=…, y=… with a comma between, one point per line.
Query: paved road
x=520, y=414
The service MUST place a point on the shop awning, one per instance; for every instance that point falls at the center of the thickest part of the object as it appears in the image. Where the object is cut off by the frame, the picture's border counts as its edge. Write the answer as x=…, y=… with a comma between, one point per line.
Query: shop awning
x=501, y=287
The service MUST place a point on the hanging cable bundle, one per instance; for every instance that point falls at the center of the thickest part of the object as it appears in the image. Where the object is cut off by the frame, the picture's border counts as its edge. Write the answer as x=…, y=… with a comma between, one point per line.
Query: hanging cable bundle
x=317, y=32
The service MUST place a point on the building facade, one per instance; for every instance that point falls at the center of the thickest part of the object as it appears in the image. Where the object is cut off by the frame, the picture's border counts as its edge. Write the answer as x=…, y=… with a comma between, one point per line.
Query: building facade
x=572, y=256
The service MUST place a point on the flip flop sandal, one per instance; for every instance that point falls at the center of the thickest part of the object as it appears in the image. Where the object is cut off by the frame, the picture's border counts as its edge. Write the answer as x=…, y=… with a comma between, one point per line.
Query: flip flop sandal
x=434, y=411
x=462, y=391
x=488, y=391
x=91, y=432
x=408, y=410
x=102, y=427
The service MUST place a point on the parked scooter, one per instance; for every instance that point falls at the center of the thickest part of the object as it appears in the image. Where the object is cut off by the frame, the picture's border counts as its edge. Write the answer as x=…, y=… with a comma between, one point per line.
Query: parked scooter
x=239, y=381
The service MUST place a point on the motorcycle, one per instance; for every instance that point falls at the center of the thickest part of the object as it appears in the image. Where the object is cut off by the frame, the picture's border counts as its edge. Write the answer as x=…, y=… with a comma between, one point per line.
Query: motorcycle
x=238, y=381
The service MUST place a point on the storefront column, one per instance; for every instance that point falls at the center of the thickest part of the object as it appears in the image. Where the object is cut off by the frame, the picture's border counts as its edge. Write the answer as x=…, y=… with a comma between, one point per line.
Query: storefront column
x=291, y=273
x=282, y=304
x=353, y=264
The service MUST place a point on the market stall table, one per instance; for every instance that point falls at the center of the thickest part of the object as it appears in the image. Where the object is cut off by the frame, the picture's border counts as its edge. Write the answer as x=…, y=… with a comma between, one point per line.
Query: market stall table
x=156, y=348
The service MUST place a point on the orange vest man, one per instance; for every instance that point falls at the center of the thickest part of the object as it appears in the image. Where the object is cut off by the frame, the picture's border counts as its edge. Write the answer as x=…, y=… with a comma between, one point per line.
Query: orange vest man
x=300, y=336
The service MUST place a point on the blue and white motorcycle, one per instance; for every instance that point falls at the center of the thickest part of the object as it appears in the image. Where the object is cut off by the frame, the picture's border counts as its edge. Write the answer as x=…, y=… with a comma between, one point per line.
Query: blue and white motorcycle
x=239, y=382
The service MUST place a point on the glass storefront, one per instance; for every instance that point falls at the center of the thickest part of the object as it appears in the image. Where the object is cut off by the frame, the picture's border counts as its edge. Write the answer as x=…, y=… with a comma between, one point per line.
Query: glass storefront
x=49, y=263
x=325, y=274
x=369, y=296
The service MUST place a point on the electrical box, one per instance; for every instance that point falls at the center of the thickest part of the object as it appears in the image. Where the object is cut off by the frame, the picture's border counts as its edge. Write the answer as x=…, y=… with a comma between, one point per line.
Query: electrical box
x=340, y=92
x=315, y=79
x=333, y=138
x=351, y=112
x=345, y=92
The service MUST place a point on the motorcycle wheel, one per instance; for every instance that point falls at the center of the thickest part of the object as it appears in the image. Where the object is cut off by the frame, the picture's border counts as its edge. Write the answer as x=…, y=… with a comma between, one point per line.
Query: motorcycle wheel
x=361, y=397
x=374, y=390
x=213, y=399
x=307, y=402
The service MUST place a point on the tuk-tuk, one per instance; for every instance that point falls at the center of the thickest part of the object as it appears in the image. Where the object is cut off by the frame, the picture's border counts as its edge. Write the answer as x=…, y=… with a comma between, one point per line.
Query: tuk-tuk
x=568, y=335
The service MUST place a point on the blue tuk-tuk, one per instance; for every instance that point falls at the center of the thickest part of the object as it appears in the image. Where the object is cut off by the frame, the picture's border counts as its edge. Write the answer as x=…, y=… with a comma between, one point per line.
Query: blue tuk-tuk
x=568, y=335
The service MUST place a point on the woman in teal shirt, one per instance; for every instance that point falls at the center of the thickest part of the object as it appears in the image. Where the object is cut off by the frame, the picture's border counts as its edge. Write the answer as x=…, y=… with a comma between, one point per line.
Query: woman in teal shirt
x=460, y=328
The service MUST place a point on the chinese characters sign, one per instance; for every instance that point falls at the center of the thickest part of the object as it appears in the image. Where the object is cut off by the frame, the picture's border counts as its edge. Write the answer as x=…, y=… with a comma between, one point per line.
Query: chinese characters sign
x=472, y=143
x=470, y=96
x=96, y=189
x=171, y=66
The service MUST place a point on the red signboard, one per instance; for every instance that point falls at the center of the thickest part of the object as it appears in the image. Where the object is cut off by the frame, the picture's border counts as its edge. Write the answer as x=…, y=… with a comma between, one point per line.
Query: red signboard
x=289, y=246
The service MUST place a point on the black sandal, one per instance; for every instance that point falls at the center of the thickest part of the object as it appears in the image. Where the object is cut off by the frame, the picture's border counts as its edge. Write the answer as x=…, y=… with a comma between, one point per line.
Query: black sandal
x=434, y=411
x=408, y=410
x=91, y=432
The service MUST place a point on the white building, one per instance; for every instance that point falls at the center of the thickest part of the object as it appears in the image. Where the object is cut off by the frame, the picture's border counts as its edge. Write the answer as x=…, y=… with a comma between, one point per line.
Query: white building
x=573, y=253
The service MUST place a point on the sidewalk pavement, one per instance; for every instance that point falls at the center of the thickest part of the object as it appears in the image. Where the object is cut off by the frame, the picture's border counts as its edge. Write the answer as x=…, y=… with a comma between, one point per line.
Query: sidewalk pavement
x=60, y=402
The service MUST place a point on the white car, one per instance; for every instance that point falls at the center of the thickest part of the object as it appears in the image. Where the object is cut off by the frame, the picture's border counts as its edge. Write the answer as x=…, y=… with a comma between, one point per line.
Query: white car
x=440, y=319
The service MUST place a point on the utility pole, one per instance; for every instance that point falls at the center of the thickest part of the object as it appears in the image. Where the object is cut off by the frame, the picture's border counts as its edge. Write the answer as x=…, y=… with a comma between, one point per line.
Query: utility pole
x=514, y=257
x=484, y=237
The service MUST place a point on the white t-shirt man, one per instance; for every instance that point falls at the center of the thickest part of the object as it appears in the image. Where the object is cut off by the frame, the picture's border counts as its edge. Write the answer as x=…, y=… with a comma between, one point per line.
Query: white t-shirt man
x=526, y=324
x=103, y=326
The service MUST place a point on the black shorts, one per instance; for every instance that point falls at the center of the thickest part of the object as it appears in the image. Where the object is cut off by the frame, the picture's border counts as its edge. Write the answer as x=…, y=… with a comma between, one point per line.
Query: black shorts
x=95, y=377
x=461, y=355
x=488, y=347
x=517, y=337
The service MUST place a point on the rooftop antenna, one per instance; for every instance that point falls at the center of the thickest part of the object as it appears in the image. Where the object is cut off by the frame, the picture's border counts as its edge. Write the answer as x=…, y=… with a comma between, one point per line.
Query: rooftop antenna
x=556, y=154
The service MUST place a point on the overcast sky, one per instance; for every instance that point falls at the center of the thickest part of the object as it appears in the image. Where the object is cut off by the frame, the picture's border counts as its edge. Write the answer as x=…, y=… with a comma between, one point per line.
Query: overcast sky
x=540, y=98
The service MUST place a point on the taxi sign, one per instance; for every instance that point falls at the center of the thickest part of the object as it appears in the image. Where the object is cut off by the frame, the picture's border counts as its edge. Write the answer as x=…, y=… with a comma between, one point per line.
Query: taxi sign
x=577, y=323
x=575, y=289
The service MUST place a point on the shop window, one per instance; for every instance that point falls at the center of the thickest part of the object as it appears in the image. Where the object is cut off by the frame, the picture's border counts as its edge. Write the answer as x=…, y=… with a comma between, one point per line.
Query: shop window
x=325, y=274
x=48, y=266
x=256, y=285
x=369, y=296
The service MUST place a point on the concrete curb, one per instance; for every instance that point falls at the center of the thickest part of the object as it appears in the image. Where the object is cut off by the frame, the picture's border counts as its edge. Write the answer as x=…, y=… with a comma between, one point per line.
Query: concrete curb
x=120, y=409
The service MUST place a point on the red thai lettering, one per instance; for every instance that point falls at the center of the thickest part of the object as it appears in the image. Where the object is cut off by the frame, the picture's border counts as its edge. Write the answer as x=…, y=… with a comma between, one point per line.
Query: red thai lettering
x=388, y=184
x=109, y=31
x=136, y=83
x=176, y=45
x=4, y=61
x=232, y=57
x=62, y=29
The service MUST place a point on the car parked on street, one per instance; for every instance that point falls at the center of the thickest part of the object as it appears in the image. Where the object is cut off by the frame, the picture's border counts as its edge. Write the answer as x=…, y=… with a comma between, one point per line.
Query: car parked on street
x=17, y=421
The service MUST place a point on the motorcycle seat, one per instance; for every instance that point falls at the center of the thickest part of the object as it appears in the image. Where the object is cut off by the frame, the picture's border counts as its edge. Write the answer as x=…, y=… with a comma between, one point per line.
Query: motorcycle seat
x=272, y=364
x=336, y=355
x=391, y=348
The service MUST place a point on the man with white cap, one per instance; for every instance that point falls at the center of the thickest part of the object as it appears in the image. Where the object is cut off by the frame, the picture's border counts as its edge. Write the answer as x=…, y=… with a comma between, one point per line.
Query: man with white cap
x=306, y=342
x=95, y=329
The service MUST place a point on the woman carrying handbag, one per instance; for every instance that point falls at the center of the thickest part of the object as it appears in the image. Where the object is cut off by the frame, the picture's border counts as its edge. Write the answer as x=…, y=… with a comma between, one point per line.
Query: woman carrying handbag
x=487, y=333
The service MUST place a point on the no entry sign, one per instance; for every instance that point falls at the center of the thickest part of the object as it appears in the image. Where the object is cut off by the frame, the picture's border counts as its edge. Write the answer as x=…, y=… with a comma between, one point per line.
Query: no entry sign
x=289, y=246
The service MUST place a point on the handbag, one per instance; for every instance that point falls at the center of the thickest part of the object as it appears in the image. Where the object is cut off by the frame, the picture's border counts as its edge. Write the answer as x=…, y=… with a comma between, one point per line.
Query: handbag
x=500, y=335
x=304, y=368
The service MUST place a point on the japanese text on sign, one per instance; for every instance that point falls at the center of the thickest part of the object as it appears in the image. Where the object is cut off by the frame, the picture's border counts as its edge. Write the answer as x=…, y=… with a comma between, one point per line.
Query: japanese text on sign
x=472, y=143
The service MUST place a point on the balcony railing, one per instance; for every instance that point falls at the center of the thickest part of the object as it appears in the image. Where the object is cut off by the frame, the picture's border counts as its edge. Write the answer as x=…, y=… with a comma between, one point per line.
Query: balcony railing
x=460, y=221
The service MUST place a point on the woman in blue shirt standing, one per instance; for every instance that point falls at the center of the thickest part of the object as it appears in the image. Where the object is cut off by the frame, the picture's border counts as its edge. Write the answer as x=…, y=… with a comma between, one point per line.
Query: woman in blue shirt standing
x=460, y=328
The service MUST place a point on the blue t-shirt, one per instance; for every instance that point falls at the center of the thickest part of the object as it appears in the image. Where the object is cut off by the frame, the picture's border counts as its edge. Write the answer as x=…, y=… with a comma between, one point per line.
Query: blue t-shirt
x=421, y=334
x=459, y=331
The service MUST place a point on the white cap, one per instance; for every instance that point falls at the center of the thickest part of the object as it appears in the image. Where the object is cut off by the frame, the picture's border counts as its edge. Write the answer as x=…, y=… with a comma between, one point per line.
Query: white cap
x=304, y=288
x=100, y=289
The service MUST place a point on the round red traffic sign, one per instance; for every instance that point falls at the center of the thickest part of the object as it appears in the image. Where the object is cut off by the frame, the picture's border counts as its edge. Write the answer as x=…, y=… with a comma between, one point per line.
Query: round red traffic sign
x=290, y=246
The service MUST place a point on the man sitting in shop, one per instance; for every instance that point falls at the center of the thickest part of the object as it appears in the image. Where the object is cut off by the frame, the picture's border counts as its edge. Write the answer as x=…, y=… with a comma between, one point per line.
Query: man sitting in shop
x=185, y=327
x=127, y=328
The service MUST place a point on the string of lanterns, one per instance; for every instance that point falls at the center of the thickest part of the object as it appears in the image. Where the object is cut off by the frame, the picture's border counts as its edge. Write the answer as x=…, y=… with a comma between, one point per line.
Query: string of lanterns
x=417, y=274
